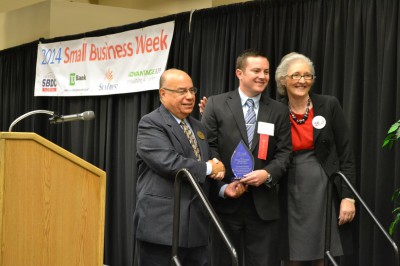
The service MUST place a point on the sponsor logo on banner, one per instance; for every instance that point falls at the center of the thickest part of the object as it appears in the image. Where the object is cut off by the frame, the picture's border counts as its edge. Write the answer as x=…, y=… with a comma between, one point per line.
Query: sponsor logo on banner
x=108, y=85
x=109, y=75
x=126, y=62
x=144, y=75
x=73, y=78
x=49, y=83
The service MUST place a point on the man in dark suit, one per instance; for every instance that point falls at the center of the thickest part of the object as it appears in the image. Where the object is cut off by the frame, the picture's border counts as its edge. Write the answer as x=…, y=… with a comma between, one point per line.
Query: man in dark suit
x=163, y=148
x=250, y=218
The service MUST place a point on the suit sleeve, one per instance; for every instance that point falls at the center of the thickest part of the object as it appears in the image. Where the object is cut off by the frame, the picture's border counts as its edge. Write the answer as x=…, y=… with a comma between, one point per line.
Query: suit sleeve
x=279, y=164
x=343, y=147
x=209, y=121
x=161, y=151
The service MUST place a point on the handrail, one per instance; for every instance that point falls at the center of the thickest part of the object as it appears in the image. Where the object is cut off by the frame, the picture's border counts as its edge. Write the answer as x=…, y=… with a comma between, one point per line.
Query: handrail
x=394, y=246
x=328, y=224
x=177, y=196
x=330, y=257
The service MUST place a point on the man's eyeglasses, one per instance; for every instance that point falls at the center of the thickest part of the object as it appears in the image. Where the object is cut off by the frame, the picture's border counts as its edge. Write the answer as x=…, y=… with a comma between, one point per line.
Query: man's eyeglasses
x=183, y=91
x=298, y=76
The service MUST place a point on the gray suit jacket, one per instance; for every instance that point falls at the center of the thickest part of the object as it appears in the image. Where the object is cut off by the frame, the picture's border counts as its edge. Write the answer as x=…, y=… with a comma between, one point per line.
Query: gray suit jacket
x=162, y=150
x=224, y=121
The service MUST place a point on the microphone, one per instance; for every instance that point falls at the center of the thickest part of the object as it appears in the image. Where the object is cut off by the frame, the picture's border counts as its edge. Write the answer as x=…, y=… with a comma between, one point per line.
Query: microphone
x=58, y=119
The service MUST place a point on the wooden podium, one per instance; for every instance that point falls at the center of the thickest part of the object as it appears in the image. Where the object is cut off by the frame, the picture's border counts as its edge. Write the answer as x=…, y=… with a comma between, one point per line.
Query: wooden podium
x=52, y=204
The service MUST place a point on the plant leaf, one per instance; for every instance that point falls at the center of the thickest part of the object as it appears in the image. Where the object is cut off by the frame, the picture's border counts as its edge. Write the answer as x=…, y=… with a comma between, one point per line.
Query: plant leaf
x=394, y=127
x=396, y=194
x=385, y=143
x=398, y=133
x=391, y=228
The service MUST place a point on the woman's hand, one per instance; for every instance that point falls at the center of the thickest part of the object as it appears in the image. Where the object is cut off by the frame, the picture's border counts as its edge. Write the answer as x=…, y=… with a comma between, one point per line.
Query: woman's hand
x=347, y=211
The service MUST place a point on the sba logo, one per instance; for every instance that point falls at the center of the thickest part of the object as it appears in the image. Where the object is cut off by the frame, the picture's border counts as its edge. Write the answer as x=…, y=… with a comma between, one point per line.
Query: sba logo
x=72, y=79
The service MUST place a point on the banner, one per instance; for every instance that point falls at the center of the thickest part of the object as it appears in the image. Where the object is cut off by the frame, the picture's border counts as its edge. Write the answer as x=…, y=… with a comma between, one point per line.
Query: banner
x=126, y=62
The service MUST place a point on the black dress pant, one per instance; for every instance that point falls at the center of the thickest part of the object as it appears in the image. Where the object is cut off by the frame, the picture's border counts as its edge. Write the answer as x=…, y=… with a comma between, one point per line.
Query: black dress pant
x=256, y=241
x=150, y=254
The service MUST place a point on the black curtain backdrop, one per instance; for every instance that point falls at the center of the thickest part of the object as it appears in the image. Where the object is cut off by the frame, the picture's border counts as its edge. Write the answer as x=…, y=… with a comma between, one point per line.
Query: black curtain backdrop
x=353, y=44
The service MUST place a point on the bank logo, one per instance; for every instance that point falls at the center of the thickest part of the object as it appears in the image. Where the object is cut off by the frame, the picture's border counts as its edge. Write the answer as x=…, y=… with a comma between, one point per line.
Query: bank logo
x=73, y=78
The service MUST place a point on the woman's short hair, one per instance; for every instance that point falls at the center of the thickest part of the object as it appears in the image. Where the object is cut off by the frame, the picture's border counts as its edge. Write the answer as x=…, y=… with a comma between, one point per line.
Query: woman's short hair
x=282, y=70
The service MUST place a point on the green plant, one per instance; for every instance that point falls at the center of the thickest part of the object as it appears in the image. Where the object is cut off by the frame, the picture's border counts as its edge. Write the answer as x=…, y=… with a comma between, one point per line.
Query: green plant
x=396, y=211
x=393, y=135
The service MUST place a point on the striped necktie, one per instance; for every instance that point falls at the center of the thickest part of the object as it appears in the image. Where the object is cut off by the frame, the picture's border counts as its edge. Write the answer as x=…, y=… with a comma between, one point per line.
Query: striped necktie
x=250, y=121
x=192, y=139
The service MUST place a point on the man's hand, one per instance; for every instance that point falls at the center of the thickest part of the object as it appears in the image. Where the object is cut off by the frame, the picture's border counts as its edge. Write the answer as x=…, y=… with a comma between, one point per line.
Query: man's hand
x=218, y=169
x=202, y=104
x=235, y=189
x=255, y=178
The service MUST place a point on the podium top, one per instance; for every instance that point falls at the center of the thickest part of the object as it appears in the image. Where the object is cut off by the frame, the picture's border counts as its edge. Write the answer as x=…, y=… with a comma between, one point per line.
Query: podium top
x=54, y=147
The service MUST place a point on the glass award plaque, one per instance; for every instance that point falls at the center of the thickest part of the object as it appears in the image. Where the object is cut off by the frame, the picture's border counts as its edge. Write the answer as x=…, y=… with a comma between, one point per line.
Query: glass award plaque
x=242, y=161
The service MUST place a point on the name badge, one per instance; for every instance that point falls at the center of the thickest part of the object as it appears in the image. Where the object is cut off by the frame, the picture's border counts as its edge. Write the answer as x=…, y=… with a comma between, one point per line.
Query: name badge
x=266, y=128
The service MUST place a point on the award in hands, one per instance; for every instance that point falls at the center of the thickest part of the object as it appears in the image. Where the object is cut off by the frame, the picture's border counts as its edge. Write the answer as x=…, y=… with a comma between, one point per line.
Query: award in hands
x=242, y=161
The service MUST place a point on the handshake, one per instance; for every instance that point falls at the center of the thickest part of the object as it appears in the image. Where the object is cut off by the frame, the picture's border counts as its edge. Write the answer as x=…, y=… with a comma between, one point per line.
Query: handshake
x=218, y=169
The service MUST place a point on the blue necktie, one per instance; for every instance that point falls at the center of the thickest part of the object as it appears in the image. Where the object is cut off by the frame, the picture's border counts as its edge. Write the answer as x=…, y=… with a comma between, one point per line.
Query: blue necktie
x=250, y=121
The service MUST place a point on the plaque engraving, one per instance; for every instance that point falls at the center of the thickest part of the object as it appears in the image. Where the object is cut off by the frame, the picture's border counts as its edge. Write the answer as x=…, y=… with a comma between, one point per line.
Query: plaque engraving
x=242, y=161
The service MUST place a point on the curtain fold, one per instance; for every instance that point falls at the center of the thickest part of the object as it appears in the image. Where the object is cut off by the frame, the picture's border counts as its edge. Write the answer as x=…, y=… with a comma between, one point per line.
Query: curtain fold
x=353, y=44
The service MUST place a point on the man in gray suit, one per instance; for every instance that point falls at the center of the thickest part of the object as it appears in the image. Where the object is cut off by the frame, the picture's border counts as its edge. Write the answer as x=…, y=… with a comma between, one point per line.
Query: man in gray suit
x=164, y=146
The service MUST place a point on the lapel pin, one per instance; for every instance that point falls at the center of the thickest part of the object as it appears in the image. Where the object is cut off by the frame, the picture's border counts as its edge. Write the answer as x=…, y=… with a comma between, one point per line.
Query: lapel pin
x=200, y=134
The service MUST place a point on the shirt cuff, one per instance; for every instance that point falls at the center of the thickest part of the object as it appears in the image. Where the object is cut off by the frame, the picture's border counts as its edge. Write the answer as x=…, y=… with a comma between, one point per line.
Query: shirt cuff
x=222, y=191
x=209, y=168
x=268, y=182
x=351, y=200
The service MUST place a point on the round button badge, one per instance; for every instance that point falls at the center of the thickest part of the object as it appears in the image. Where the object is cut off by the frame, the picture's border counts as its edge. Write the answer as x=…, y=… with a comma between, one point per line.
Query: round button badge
x=319, y=122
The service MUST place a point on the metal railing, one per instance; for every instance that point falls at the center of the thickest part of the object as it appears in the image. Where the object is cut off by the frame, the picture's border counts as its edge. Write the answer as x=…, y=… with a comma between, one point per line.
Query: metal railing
x=177, y=198
x=329, y=217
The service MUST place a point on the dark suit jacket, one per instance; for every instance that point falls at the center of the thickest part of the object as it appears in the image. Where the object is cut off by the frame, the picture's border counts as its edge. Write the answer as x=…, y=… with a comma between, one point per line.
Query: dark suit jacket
x=162, y=150
x=334, y=151
x=224, y=121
